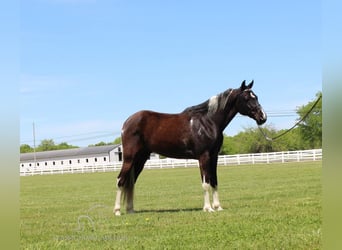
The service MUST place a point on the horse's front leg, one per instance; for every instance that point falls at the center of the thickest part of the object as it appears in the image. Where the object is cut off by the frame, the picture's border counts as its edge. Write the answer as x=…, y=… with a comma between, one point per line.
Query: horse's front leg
x=208, y=165
x=213, y=181
x=206, y=187
x=204, y=162
x=216, y=202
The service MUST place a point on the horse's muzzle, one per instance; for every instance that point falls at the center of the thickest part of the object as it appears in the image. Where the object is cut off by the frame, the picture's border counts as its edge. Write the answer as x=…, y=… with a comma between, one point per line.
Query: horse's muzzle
x=261, y=117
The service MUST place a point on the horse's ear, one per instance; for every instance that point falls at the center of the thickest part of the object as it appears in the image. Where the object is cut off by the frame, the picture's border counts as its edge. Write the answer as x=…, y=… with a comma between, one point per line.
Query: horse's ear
x=243, y=85
x=250, y=85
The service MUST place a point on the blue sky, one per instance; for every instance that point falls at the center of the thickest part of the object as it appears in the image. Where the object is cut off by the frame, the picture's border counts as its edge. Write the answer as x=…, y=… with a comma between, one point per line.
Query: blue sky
x=86, y=65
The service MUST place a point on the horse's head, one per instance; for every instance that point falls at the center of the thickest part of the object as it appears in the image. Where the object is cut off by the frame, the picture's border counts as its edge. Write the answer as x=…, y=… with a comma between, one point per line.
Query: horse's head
x=247, y=104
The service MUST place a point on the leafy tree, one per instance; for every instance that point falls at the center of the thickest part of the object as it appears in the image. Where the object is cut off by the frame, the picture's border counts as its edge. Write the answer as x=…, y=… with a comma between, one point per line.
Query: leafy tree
x=252, y=140
x=289, y=142
x=49, y=144
x=249, y=141
x=65, y=145
x=117, y=140
x=46, y=145
x=311, y=126
x=101, y=143
x=25, y=148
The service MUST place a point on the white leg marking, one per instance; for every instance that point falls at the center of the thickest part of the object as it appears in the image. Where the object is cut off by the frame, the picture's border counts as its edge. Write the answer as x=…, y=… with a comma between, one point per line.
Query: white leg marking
x=216, y=202
x=116, y=209
x=207, y=207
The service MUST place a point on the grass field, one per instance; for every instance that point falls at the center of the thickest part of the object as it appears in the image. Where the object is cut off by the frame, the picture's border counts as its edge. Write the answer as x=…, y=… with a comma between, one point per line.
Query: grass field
x=276, y=206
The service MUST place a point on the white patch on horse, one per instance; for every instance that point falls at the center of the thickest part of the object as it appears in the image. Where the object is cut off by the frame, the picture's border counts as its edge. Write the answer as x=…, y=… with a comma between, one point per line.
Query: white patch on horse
x=216, y=202
x=263, y=114
x=116, y=209
x=252, y=95
x=206, y=187
x=213, y=104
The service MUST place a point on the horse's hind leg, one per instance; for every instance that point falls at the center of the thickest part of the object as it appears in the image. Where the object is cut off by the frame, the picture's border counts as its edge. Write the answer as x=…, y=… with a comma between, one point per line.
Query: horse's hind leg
x=121, y=180
x=138, y=165
x=117, y=205
x=130, y=171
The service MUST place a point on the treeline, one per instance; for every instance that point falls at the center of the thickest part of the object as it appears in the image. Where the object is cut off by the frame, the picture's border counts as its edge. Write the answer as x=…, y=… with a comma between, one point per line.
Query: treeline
x=46, y=145
x=307, y=135
x=49, y=144
x=253, y=141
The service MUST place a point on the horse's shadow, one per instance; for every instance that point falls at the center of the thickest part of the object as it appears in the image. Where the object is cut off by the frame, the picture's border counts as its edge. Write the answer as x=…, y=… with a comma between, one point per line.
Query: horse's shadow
x=176, y=210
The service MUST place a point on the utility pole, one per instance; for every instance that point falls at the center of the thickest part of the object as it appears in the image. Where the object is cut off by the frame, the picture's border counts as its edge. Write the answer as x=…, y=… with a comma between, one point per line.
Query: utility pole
x=34, y=146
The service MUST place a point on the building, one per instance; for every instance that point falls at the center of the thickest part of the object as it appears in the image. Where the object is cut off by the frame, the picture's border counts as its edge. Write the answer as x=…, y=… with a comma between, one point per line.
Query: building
x=85, y=156
x=74, y=158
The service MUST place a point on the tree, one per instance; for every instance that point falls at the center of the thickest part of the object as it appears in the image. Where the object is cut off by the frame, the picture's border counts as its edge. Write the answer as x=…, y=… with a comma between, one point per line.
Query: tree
x=25, y=148
x=49, y=144
x=292, y=140
x=65, y=145
x=311, y=126
x=250, y=140
x=117, y=140
x=101, y=143
x=46, y=145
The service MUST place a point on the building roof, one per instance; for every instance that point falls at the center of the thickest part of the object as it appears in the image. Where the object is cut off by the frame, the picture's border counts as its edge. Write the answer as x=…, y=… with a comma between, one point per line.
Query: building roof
x=67, y=153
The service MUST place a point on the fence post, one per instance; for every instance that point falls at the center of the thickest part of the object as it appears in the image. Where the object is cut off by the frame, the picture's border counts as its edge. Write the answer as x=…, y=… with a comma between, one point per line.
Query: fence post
x=298, y=157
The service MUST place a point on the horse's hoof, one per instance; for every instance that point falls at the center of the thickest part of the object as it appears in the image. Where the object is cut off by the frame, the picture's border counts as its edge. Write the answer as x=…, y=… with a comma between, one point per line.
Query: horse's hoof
x=219, y=208
x=130, y=211
x=117, y=212
x=208, y=209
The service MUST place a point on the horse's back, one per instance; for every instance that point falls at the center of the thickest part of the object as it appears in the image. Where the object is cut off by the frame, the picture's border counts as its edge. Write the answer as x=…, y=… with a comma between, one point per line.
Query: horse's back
x=158, y=132
x=148, y=118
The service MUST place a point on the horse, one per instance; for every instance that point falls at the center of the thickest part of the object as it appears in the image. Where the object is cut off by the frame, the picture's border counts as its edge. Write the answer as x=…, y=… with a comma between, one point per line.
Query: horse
x=196, y=133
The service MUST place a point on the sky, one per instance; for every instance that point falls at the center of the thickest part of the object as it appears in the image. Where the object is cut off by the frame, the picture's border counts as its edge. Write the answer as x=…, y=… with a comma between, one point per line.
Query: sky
x=87, y=65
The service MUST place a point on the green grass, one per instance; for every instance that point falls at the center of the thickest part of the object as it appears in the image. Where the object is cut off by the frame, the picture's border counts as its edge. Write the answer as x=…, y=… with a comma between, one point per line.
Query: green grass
x=276, y=206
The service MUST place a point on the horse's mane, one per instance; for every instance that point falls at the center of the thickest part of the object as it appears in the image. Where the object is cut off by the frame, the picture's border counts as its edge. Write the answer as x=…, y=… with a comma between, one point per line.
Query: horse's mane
x=198, y=109
x=211, y=105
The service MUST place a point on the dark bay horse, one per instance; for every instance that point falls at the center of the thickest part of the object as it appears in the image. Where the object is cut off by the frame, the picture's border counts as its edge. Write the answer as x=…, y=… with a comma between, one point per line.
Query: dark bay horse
x=195, y=133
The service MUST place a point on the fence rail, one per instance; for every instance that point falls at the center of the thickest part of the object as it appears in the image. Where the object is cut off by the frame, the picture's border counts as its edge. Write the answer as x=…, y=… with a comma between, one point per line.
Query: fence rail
x=223, y=160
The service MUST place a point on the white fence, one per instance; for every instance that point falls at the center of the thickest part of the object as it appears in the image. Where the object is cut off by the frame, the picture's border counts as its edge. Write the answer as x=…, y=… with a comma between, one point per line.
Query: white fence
x=223, y=160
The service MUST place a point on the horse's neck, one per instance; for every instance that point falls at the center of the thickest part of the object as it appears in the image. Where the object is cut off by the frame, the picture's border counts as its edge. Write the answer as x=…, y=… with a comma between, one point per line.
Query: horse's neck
x=225, y=116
